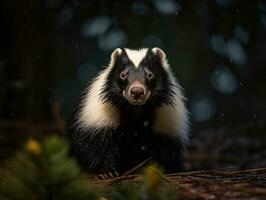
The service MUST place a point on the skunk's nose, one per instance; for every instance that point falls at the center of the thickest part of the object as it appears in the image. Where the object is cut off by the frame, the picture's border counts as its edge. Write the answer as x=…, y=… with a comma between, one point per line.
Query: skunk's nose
x=137, y=92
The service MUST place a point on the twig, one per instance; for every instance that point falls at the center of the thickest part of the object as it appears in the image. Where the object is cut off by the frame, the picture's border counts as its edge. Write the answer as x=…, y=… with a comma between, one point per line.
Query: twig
x=137, y=167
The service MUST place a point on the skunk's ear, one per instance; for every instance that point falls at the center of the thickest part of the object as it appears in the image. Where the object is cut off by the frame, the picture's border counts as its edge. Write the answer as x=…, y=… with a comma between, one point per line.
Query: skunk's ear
x=117, y=52
x=160, y=53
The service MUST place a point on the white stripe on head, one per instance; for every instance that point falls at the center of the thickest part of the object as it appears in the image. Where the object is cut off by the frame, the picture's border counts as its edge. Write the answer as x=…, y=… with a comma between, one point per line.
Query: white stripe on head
x=136, y=56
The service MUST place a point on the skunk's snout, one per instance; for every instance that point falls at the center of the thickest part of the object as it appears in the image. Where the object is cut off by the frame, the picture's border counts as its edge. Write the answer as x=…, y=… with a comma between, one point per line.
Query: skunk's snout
x=137, y=92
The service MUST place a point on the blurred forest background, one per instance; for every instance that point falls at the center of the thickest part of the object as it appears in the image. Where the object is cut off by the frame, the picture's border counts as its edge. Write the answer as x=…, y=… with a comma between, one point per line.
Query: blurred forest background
x=50, y=49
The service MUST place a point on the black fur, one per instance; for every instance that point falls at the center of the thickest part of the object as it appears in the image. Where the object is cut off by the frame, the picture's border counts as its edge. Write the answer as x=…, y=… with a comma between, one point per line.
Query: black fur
x=134, y=140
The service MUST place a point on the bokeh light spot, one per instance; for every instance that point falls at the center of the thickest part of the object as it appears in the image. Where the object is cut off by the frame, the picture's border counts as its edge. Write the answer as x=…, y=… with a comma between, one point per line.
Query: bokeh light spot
x=236, y=52
x=167, y=7
x=112, y=39
x=95, y=26
x=223, y=80
x=202, y=108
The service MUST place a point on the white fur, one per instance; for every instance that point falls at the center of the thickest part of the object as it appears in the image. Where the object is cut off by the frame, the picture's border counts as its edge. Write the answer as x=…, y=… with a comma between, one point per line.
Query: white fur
x=114, y=55
x=160, y=53
x=136, y=56
x=94, y=112
x=173, y=119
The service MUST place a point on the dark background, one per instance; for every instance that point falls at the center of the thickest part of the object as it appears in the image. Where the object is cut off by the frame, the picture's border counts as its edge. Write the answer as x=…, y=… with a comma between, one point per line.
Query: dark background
x=50, y=49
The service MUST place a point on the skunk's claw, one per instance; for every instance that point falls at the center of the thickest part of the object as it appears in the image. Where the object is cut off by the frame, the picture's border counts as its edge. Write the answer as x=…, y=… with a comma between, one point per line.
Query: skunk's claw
x=107, y=175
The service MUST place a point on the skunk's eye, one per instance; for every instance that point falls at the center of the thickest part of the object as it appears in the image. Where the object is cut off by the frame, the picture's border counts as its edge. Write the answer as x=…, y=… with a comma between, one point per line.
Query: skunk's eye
x=149, y=74
x=123, y=75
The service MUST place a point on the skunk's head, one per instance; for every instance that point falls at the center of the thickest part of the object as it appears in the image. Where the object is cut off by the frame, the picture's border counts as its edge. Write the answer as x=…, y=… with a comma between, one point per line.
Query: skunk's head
x=137, y=77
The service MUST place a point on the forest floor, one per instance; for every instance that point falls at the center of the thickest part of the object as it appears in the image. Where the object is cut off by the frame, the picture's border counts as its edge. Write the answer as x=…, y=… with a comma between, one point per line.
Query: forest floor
x=213, y=184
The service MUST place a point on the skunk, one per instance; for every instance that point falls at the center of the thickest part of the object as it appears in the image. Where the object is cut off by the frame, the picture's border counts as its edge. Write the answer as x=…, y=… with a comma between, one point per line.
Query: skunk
x=133, y=110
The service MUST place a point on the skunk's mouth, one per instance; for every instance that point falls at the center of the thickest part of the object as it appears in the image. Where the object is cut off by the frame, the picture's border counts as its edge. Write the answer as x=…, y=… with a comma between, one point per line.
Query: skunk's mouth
x=136, y=102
